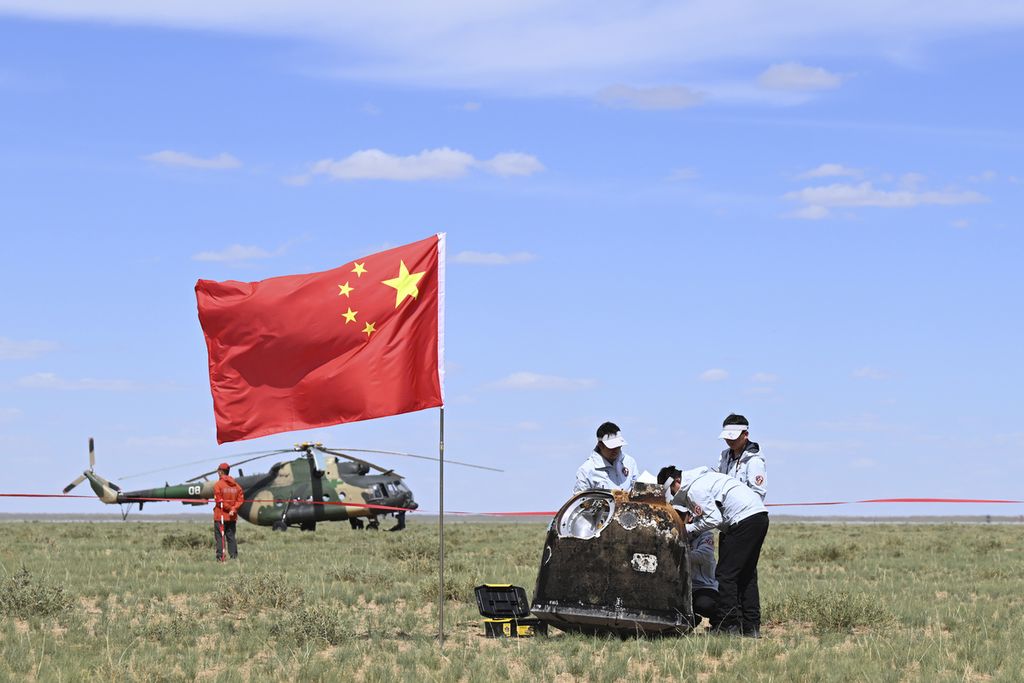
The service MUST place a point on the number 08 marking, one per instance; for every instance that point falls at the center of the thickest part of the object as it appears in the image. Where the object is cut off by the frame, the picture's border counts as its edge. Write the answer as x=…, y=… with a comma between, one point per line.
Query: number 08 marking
x=194, y=490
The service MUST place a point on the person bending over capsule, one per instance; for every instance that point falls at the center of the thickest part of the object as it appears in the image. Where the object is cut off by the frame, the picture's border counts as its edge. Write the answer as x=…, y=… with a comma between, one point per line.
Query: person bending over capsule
x=719, y=501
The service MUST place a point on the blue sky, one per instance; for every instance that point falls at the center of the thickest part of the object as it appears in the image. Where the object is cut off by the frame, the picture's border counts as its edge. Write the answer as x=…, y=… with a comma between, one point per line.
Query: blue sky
x=655, y=218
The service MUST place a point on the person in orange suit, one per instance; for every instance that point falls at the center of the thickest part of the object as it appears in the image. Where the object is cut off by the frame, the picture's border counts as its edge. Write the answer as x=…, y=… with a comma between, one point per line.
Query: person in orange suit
x=228, y=496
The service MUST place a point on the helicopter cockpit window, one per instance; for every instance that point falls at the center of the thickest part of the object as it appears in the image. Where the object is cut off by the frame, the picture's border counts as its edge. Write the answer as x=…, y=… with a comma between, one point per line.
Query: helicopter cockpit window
x=586, y=516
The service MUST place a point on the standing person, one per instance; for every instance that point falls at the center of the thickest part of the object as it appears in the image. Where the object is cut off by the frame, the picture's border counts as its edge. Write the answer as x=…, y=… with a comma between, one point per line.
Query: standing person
x=607, y=467
x=228, y=496
x=704, y=585
x=742, y=459
x=717, y=500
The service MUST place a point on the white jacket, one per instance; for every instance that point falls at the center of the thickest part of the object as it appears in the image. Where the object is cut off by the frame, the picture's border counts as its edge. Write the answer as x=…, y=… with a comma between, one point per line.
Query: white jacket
x=716, y=500
x=596, y=473
x=748, y=468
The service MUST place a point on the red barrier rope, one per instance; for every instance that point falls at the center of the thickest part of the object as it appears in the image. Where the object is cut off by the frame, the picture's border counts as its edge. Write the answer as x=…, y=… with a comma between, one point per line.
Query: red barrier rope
x=543, y=513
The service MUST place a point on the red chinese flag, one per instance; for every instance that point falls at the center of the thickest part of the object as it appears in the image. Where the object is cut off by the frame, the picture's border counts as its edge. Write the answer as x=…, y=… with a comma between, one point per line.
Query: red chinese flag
x=361, y=341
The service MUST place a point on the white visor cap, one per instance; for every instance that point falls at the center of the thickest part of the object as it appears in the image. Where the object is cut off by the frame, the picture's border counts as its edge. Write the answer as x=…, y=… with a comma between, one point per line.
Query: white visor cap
x=613, y=440
x=733, y=431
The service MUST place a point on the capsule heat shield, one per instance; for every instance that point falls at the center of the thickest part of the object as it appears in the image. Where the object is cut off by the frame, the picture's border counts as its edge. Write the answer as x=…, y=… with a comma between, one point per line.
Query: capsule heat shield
x=616, y=562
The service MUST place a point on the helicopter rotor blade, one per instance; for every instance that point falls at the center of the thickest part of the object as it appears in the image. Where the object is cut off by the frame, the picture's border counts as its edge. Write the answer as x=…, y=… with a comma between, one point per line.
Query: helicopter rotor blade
x=76, y=482
x=413, y=455
x=240, y=462
x=259, y=454
x=92, y=454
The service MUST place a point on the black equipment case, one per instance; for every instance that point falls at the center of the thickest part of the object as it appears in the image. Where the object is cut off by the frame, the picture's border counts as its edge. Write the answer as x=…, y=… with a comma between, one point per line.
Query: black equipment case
x=507, y=612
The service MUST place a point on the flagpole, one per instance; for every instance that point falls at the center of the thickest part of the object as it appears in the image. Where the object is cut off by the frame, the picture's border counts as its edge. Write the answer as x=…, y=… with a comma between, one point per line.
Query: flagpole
x=440, y=519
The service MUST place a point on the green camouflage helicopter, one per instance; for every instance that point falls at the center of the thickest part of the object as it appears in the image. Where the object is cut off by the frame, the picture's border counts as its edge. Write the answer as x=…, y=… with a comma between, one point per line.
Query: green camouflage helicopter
x=293, y=493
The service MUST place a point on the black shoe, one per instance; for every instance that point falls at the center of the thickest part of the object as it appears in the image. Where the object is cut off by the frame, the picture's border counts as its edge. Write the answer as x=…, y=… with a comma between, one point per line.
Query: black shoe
x=397, y=527
x=752, y=632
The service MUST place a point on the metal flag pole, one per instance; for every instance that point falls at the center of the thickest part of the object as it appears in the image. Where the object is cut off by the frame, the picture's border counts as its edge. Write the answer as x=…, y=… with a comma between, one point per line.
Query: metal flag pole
x=440, y=520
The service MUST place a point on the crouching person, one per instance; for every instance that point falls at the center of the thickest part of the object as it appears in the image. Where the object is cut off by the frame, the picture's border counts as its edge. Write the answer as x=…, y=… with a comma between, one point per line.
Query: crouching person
x=718, y=501
x=702, y=575
x=702, y=562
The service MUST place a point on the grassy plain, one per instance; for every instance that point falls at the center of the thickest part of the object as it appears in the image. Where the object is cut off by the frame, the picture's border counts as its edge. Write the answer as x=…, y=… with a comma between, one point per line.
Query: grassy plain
x=147, y=602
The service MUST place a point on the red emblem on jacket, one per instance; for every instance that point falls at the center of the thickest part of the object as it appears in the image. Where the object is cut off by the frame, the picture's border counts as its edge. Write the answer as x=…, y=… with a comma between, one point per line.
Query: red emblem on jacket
x=697, y=510
x=759, y=479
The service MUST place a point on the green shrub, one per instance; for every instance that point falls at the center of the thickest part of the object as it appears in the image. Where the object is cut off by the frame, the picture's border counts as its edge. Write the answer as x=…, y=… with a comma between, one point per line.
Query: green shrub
x=180, y=627
x=829, y=611
x=25, y=596
x=186, y=541
x=317, y=622
x=259, y=592
x=830, y=552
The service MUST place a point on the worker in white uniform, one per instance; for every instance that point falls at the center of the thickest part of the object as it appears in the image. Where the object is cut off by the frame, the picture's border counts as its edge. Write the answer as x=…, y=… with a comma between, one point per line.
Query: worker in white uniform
x=607, y=467
x=719, y=501
x=704, y=585
x=742, y=459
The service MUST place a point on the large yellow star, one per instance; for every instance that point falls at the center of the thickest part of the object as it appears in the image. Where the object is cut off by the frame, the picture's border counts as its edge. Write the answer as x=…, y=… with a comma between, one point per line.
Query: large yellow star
x=345, y=289
x=350, y=316
x=359, y=269
x=405, y=283
x=369, y=329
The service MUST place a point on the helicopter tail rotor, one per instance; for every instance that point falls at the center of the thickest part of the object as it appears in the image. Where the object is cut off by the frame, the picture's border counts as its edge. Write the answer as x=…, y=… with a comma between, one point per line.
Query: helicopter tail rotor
x=106, y=491
x=76, y=482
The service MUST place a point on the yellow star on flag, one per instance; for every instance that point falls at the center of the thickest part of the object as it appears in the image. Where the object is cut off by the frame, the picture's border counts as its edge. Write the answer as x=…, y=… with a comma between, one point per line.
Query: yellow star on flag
x=369, y=329
x=359, y=269
x=345, y=289
x=405, y=283
x=350, y=316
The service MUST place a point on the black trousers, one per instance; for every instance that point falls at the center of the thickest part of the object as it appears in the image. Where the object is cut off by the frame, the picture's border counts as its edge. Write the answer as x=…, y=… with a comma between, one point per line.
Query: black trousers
x=224, y=535
x=705, y=604
x=739, y=548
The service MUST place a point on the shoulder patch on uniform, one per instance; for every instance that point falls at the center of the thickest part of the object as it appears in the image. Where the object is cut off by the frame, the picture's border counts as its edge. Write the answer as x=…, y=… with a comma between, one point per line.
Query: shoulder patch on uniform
x=697, y=510
x=759, y=479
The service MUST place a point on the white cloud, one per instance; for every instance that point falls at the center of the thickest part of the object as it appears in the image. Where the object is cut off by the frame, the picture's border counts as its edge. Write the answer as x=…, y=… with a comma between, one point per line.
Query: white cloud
x=794, y=76
x=961, y=223
x=713, y=375
x=512, y=164
x=660, y=97
x=49, y=380
x=868, y=372
x=481, y=258
x=171, y=158
x=533, y=380
x=442, y=163
x=471, y=106
x=810, y=213
x=984, y=177
x=912, y=181
x=11, y=349
x=831, y=170
x=864, y=463
x=866, y=194
x=235, y=253
x=764, y=377
x=683, y=174
x=9, y=414
x=537, y=46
